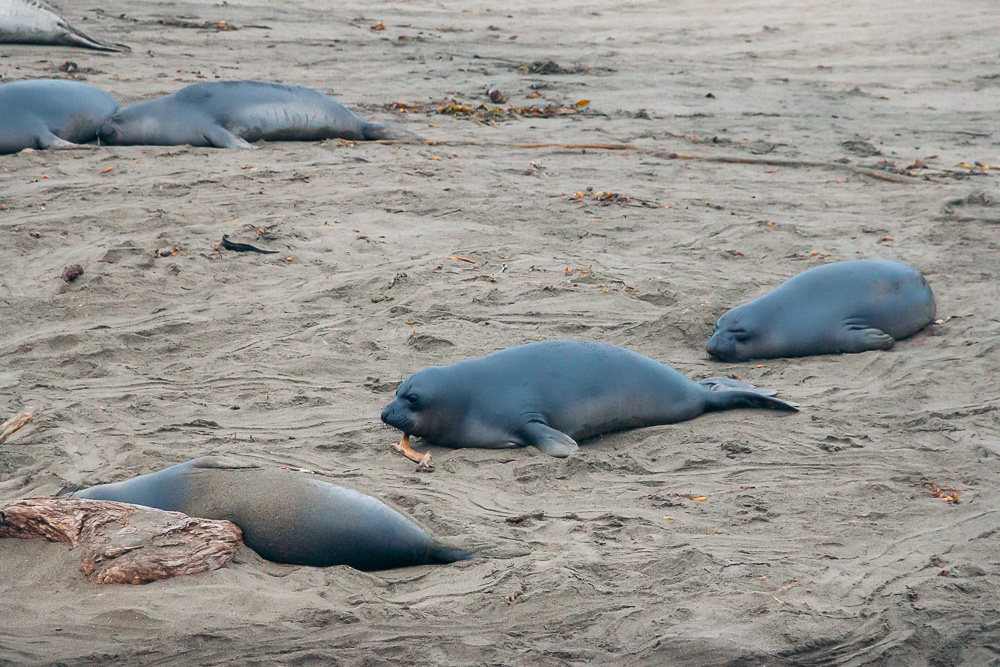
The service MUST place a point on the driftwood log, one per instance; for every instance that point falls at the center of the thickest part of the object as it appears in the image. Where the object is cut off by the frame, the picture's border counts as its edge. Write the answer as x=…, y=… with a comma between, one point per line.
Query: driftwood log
x=14, y=423
x=121, y=543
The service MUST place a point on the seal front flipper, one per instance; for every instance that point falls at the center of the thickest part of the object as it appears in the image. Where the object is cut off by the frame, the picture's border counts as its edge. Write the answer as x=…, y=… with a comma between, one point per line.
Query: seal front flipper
x=48, y=140
x=220, y=137
x=550, y=441
x=857, y=336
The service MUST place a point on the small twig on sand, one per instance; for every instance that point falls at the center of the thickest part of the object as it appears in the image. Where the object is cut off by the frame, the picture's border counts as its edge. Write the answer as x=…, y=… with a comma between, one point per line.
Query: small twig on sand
x=423, y=460
x=14, y=423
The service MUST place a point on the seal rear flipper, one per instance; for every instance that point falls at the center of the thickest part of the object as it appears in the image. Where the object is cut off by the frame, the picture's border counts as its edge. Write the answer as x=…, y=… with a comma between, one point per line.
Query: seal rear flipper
x=388, y=132
x=550, y=441
x=857, y=336
x=738, y=398
x=76, y=37
x=729, y=384
x=444, y=555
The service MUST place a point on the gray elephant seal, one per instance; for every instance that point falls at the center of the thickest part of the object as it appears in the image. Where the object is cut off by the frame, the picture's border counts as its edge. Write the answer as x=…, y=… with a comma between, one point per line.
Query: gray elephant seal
x=51, y=113
x=286, y=517
x=852, y=306
x=554, y=393
x=34, y=22
x=231, y=114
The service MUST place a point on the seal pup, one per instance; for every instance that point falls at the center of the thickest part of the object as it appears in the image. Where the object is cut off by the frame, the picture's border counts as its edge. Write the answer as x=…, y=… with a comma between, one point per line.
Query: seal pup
x=552, y=394
x=34, y=22
x=850, y=306
x=286, y=517
x=232, y=114
x=51, y=113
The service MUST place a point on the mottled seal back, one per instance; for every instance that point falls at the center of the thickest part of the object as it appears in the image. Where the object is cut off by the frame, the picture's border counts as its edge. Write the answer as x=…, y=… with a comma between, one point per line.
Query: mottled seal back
x=286, y=517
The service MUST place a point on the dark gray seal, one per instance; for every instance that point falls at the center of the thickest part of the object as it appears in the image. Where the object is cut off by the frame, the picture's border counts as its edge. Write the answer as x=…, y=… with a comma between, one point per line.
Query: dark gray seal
x=231, y=114
x=852, y=306
x=51, y=113
x=286, y=517
x=554, y=393
x=34, y=22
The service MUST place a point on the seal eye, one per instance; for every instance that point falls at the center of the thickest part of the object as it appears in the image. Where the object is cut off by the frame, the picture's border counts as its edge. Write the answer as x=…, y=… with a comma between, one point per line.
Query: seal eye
x=411, y=398
x=741, y=335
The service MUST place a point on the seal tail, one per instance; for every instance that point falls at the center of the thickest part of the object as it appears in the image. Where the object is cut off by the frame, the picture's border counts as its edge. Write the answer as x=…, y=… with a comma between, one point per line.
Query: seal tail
x=443, y=555
x=77, y=37
x=389, y=132
x=727, y=394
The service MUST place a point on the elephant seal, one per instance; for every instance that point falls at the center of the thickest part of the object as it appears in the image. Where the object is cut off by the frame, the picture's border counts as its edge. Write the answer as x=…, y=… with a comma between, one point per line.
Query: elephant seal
x=34, y=22
x=850, y=306
x=286, y=517
x=554, y=393
x=231, y=114
x=51, y=113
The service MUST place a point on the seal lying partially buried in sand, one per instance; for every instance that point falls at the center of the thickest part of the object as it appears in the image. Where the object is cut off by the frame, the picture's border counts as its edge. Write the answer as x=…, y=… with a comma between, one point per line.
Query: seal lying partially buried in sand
x=286, y=517
x=51, y=113
x=232, y=114
x=851, y=306
x=552, y=394
x=34, y=22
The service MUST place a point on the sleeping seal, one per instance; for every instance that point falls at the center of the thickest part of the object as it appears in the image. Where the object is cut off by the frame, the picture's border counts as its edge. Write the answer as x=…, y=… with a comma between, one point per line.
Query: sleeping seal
x=552, y=394
x=851, y=306
x=286, y=517
x=231, y=114
x=51, y=113
x=34, y=22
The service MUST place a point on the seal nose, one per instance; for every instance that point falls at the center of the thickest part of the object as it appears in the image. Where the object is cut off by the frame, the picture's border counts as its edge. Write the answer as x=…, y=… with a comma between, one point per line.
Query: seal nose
x=716, y=348
x=385, y=415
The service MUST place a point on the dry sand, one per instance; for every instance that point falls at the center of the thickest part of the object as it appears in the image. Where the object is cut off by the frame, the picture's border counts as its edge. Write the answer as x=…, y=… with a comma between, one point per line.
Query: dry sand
x=821, y=540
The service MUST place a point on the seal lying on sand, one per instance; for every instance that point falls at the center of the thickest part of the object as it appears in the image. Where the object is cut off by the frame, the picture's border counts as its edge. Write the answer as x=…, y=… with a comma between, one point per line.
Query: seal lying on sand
x=285, y=516
x=852, y=306
x=51, y=113
x=230, y=114
x=34, y=22
x=553, y=393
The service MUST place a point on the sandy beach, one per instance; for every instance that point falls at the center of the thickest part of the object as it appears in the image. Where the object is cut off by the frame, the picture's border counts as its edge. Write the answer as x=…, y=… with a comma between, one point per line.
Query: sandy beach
x=765, y=138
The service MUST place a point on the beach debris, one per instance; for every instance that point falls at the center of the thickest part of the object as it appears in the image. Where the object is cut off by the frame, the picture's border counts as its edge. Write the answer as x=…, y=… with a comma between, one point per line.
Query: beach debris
x=423, y=460
x=494, y=91
x=243, y=247
x=122, y=543
x=15, y=423
x=217, y=26
x=946, y=494
x=490, y=113
x=608, y=198
x=462, y=259
x=72, y=272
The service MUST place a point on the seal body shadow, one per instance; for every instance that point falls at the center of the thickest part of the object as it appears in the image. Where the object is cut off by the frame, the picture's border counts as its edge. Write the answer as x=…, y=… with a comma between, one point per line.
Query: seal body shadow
x=850, y=306
x=286, y=517
x=51, y=113
x=552, y=394
x=233, y=114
